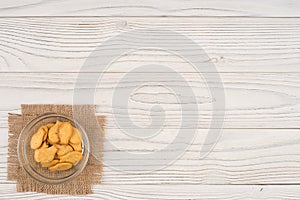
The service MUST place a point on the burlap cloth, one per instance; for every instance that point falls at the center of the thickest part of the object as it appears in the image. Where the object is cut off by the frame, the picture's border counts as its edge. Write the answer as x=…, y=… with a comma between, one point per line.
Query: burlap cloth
x=92, y=173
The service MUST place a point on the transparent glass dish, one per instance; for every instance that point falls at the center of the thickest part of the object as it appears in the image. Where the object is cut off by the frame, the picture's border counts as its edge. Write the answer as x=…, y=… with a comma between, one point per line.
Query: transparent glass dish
x=26, y=154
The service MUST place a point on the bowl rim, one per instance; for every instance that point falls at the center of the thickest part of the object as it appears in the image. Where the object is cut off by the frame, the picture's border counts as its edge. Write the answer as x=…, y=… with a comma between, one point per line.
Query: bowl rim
x=32, y=123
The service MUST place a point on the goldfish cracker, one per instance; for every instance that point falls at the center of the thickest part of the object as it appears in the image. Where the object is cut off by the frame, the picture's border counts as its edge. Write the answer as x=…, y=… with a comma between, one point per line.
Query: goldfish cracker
x=53, y=133
x=63, y=149
x=76, y=147
x=60, y=167
x=49, y=164
x=65, y=132
x=47, y=154
x=72, y=157
x=38, y=138
x=57, y=146
x=76, y=137
x=50, y=125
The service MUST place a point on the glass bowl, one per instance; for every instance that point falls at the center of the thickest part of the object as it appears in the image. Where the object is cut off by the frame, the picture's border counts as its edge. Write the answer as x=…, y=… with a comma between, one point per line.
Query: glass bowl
x=26, y=154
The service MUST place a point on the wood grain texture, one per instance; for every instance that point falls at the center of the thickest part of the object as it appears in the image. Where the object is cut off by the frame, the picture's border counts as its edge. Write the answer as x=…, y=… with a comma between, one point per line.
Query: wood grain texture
x=253, y=44
x=241, y=156
x=252, y=100
x=264, y=8
x=165, y=192
x=232, y=44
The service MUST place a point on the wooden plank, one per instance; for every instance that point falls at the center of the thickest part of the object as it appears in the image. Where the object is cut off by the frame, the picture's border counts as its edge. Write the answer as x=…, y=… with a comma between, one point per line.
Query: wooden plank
x=252, y=100
x=265, y=8
x=241, y=156
x=169, y=192
x=232, y=44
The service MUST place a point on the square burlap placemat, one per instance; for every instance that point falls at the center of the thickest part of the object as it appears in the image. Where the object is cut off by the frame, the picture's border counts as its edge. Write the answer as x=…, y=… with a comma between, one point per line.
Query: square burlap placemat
x=92, y=173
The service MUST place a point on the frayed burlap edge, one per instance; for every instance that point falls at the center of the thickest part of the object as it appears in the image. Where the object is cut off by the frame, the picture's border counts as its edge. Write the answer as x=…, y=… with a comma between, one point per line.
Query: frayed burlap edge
x=14, y=128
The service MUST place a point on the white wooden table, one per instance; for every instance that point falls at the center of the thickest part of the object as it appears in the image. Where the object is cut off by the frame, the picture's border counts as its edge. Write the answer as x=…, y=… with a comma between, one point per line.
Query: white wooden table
x=255, y=46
